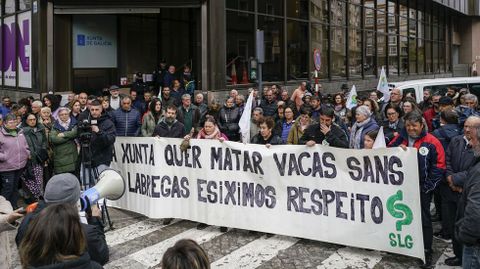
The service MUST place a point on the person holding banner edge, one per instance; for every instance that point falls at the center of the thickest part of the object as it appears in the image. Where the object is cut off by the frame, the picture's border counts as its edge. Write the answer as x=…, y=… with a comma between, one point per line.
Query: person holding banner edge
x=210, y=130
x=431, y=164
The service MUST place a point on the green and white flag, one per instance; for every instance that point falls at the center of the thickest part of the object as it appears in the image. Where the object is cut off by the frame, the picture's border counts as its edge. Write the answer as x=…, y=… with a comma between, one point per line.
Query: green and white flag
x=383, y=85
x=352, y=98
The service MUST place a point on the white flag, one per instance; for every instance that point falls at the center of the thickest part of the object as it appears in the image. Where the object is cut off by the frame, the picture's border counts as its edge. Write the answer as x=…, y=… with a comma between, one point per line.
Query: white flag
x=244, y=122
x=383, y=86
x=380, y=140
x=352, y=98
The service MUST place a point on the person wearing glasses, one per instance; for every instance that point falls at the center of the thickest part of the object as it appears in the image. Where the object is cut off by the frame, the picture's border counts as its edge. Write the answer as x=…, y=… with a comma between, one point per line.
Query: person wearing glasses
x=394, y=123
x=63, y=140
x=396, y=97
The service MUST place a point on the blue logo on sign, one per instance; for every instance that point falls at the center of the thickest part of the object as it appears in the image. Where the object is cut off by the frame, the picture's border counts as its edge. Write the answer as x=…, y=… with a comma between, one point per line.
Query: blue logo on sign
x=81, y=40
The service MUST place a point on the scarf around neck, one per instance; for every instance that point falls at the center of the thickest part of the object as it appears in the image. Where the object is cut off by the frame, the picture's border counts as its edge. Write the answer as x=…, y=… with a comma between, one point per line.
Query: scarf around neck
x=356, y=135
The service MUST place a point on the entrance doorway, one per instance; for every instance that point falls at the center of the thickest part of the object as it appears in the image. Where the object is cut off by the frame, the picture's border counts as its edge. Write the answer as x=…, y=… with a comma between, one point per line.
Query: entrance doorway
x=140, y=41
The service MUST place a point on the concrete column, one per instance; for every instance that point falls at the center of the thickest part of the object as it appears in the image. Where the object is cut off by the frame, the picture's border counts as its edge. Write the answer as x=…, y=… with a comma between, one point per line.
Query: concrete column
x=216, y=45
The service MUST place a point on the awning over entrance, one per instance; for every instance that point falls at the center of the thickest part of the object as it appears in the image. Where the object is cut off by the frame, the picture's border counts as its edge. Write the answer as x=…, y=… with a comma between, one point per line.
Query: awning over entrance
x=120, y=6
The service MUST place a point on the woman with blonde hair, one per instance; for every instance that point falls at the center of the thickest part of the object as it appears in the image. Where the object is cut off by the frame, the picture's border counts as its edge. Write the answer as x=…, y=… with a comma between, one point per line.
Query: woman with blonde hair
x=299, y=127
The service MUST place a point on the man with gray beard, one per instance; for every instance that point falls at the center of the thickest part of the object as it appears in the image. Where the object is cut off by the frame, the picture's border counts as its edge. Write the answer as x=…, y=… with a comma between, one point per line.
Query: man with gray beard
x=467, y=227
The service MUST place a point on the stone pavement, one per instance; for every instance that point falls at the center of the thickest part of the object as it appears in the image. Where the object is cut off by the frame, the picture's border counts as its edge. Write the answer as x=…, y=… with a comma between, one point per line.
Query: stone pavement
x=138, y=242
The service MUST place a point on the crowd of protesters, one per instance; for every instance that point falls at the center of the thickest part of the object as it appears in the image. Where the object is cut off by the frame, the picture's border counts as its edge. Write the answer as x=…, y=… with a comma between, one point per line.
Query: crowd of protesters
x=40, y=138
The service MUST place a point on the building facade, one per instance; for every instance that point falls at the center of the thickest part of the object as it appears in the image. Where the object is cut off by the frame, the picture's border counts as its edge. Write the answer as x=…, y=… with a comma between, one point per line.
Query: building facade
x=78, y=45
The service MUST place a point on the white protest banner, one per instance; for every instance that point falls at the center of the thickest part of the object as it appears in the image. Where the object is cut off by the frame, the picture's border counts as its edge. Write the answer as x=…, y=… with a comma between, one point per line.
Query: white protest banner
x=360, y=198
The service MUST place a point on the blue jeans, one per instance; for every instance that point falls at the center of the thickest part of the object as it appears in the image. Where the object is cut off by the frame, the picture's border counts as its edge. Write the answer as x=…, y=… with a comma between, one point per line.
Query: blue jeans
x=471, y=257
x=9, y=183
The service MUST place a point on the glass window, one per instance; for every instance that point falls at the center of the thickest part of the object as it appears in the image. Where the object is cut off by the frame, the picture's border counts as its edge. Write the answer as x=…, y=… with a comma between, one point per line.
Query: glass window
x=369, y=3
x=393, y=53
x=412, y=6
x=369, y=18
x=337, y=45
x=441, y=56
x=435, y=32
x=24, y=4
x=403, y=9
x=428, y=57
x=319, y=11
x=274, y=59
x=421, y=29
x=421, y=56
x=403, y=55
x=319, y=41
x=412, y=28
x=392, y=7
x=355, y=52
x=297, y=51
x=381, y=51
x=447, y=51
x=9, y=6
x=392, y=24
x=382, y=5
x=240, y=42
x=381, y=21
x=403, y=22
x=355, y=16
x=412, y=55
x=247, y=5
x=428, y=31
x=337, y=12
x=436, y=66
x=369, y=66
x=297, y=9
x=271, y=7
x=441, y=33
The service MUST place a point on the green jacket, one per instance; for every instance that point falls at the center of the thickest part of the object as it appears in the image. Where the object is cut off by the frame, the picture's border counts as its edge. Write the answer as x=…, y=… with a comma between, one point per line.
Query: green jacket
x=65, y=153
x=295, y=133
x=37, y=143
x=148, y=124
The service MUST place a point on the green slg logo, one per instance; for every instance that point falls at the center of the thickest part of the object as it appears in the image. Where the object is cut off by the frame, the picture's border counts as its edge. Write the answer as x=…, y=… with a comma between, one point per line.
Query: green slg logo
x=399, y=211
x=404, y=215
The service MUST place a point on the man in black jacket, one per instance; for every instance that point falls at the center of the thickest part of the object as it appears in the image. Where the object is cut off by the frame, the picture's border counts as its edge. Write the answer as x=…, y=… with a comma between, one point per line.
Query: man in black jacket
x=459, y=159
x=467, y=228
x=326, y=132
x=100, y=143
x=65, y=188
x=269, y=104
x=169, y=126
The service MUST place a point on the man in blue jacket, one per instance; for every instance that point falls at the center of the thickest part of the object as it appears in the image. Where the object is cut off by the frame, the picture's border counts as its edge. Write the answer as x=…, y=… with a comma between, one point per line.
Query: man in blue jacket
x=127, y=119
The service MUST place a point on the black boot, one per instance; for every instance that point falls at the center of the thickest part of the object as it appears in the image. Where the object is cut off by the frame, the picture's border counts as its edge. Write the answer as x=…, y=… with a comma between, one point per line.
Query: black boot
x=453, y=261
x=167, y=221
x=428, y=260
x=201, y=226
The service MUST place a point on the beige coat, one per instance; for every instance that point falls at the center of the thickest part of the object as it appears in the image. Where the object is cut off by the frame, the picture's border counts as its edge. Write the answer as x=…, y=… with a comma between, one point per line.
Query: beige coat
x=5, y=254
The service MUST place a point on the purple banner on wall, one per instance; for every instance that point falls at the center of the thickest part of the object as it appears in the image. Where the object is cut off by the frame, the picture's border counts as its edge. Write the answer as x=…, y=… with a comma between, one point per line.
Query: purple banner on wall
x=9, y=64
x=16, y=50
x=24, y=37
